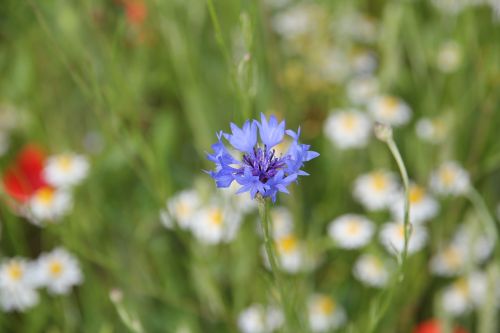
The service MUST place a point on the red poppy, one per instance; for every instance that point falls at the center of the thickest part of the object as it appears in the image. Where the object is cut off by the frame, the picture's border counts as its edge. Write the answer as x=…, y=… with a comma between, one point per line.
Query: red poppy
x=136, y=11
x=25, y=176
x=433, y=326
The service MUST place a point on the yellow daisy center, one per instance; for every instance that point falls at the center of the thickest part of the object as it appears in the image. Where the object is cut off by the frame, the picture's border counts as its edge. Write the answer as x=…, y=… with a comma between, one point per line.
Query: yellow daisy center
x=417, y=193
x=390, y=105
x=379, y=181
x=349, y=121
x=462, y=286
x=325, y=305
x=15, y=271
x=65, y=162
x=45, y=195
x=55, y=268
x=216, y=217
x=287, y=244
x=448, y=176
x=353, y=227
x=451, y=257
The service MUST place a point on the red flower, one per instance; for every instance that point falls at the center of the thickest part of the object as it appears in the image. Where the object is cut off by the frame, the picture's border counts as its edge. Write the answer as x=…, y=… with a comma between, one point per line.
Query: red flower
x=136, y=11
x=25, y=176
x=433, y=326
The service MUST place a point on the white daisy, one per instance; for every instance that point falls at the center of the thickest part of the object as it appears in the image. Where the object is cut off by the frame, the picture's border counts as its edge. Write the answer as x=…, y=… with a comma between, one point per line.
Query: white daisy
x=65, y=170
x=242, y=202
x=215, y=224
x=17, y=285
x=181, y=208
x=289, y=253
x=361, y=89
x=392, y=237
x=356, y=26
x=259, y=319
x=449, y=57
x=432, y=130
x=465, y=294
x=351, y=231
x=448, y=262
x=334, y=65
x=375, y=190
x=450, y=179
x=49, y=204
x=423, y=207
x=371, y=270
x=324, y=314
x=295, y=21
x=477, y=244
x=348, y=129
x=59, y=271
x=390, y=110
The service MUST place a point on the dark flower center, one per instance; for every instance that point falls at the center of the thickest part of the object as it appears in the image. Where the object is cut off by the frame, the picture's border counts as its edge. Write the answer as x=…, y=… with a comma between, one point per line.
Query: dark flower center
x=264, y=163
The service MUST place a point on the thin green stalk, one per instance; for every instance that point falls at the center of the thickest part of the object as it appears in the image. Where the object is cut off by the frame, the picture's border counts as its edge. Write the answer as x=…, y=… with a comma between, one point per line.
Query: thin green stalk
x=406, y=185
x=264, y=212
x=477, y=201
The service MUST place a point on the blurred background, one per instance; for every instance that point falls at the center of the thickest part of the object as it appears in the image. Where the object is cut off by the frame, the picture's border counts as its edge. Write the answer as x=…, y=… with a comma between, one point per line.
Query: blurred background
x=138, y=90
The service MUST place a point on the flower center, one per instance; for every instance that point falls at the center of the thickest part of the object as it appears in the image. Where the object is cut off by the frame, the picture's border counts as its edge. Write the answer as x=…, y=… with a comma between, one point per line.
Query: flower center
x=448, y=176
x=264, y=163
x=379, y=181
x=349, y=122
x=325, y=305
x=287, y=244
x=45, y=196
x=65, y=163
x=55, y=268
x=416, y=194
x=353, y=227
x=452, y=257
x=216, y=217
x=390, y=105
x=15, y=271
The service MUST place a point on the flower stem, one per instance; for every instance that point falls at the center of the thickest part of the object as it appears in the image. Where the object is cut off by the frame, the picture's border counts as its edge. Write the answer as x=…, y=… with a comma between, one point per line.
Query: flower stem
x=264, y=212
x=406, y=185
x=477, y=201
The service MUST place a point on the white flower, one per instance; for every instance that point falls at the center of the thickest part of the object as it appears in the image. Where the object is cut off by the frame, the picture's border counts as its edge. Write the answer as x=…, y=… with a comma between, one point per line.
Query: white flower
x=282, y=222
x=289, y=253
x=450, y=179
x=351, y=231
x=449, y=57
x=181, y=208
x=59, y=271
x=371, y=270
x=465, y=294
x=294, y=22
x=242, y=202
x=390, y=110
x=49, y=204
x=375, y=190
x=432, y=130
x=423, y=207
x=348, y=129
x=449, y=261
x=259, y=319
x=361, y=89
x=215, y=224
x=477, y=244
x=324, y=314
x=451, y=7
x=17, y=285
x=363, y=63
x=392, y=237
x=334, y=65
x=357, y=26
x=65, y=170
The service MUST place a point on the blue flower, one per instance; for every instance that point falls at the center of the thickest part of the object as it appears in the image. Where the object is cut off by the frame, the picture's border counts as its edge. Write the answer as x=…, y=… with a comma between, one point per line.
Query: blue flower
x=259, y=170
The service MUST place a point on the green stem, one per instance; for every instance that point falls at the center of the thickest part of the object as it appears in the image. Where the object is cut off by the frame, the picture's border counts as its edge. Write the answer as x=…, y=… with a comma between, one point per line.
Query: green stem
x=480, y=206
x=406, y=184
x=264, y=212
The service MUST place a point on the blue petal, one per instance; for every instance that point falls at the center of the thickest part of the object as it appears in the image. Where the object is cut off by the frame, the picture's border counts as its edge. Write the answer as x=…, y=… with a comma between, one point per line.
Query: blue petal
x=272, y=132
x=243, y=139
